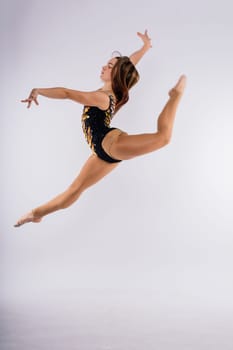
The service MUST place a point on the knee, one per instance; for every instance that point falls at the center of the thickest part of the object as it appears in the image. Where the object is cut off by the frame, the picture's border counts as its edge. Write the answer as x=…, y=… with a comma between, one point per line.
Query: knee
x=165, y=138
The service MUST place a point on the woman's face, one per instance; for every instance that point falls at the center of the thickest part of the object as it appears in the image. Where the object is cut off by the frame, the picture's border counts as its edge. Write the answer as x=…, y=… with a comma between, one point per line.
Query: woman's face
x=107, y=70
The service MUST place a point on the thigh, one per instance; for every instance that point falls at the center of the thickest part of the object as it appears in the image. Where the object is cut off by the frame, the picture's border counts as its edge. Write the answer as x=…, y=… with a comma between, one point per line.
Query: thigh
x=93, y=171
x=130, y=146
x=110, y=139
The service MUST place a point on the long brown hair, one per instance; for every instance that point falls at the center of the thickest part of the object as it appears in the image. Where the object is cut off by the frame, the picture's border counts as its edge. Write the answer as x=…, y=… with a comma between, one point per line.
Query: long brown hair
x=124, y=76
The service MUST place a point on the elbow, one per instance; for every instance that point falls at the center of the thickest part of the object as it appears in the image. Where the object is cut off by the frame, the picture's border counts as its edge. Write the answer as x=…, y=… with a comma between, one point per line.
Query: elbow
x=66, y=93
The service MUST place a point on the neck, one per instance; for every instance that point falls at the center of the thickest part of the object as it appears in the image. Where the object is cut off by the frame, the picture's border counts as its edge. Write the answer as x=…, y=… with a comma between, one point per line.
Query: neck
x=107, y=86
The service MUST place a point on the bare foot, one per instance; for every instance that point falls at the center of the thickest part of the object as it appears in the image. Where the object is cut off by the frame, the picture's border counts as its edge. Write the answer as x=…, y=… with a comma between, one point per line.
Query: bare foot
x=179, y=87
x=29, y=217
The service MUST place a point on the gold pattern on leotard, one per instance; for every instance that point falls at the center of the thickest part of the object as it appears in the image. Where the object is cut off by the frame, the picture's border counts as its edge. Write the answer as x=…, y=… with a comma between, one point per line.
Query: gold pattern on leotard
x=91, y=123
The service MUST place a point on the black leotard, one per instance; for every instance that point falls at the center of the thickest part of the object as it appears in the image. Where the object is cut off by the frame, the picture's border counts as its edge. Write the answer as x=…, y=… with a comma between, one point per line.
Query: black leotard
x=96, y=124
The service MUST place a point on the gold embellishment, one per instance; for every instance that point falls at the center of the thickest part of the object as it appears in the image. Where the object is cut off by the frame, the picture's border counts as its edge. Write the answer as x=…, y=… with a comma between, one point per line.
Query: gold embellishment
x=107, y=117
x=109, y=112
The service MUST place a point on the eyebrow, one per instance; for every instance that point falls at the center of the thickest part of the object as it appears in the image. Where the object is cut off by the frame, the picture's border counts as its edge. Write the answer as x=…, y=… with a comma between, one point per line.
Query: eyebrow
x=110, y=64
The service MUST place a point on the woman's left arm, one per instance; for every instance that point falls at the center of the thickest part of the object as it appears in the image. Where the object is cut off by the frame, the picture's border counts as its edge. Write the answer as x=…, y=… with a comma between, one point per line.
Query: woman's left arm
x=136, y=56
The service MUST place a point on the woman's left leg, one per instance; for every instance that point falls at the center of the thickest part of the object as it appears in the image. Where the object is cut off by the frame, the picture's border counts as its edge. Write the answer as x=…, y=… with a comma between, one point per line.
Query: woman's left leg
x=93, y=171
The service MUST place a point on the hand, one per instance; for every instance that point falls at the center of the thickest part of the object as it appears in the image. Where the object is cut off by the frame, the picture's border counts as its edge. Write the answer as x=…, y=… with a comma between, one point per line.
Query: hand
x=145, y=38
x=32, y=97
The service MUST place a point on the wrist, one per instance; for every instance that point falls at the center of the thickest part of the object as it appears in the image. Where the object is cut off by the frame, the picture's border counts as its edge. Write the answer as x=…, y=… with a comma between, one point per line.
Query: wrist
x=35, y=91
x=146, y=47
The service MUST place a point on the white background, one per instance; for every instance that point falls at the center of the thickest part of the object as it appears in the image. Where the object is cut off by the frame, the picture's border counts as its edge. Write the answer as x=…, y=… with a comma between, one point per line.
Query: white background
x=158, y=230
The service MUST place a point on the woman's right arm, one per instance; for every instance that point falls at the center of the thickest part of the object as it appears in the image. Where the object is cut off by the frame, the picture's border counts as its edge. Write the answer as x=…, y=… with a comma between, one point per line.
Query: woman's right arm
x=58, y=92
x=94, y=98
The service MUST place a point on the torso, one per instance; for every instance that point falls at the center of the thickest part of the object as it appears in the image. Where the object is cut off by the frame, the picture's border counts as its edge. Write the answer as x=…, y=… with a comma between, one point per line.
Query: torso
x=96, y=123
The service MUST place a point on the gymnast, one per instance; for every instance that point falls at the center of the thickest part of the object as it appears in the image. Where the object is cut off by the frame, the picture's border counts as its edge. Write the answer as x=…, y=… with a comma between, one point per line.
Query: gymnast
x=109, y=145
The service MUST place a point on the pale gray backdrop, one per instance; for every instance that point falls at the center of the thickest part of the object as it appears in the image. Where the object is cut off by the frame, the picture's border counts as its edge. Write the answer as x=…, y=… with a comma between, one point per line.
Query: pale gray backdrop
x=144, y=259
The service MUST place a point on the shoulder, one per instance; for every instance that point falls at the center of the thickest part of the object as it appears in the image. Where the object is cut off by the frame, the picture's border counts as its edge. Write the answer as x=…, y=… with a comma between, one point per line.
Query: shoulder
x=89, y=98
x=99, y=99
x=110, y=99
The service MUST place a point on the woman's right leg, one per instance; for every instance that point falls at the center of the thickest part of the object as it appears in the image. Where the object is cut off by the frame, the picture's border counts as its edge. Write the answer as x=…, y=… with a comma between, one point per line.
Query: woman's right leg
x=93, y=171
x=130, y=146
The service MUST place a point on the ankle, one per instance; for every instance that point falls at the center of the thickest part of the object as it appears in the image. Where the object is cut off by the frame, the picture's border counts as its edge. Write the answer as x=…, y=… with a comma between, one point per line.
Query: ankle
x=35, y=214
x=175, y=94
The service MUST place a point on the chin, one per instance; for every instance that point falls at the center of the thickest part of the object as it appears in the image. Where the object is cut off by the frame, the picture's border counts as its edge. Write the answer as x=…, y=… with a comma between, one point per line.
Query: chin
x=103, y=80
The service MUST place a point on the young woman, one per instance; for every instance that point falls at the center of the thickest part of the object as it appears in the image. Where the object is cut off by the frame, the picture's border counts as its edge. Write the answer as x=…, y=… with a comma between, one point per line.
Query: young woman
x=109, y=145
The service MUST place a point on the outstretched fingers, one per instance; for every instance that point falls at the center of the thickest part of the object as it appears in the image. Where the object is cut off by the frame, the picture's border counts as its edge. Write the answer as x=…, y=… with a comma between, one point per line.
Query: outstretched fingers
x=32, y=97
x=145, y=38
x=29, y=101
